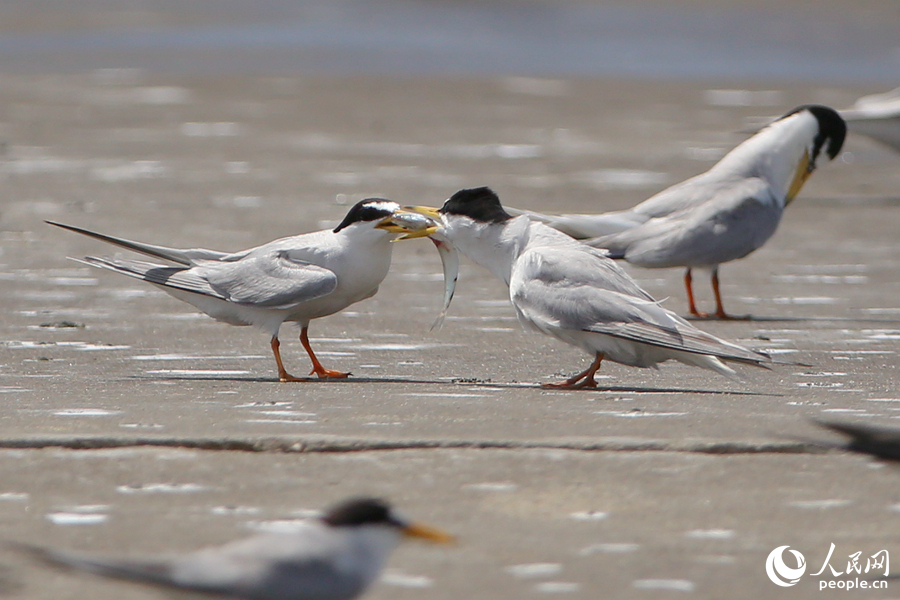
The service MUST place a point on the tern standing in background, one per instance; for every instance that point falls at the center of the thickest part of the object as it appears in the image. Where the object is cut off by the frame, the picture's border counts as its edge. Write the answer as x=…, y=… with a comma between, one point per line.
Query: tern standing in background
x=297, y=278
x=723, y=214
x=573, y=292
x=335, y=557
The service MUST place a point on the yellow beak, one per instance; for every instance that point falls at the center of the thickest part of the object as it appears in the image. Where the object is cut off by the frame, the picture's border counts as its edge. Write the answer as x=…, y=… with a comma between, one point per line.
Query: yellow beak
x=388, y=224
x=804, y=170
x=411, y=235
x=425, y=532
x=428, y=211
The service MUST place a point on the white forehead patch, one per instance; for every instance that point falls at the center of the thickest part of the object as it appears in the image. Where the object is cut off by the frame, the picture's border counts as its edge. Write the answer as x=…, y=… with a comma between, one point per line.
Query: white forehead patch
x=385, y=205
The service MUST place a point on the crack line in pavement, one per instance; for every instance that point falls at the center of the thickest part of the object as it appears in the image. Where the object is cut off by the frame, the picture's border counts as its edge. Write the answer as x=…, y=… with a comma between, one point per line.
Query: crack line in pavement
x=293, y=445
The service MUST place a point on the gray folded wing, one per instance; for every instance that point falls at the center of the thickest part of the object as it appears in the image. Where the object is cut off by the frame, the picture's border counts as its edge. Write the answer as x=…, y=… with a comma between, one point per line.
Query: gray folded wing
x=729, y=226
x=174, y=277
x=558, y=294
x=687, y=194
x=270, y=280
x=575, y=266
x=273, y=567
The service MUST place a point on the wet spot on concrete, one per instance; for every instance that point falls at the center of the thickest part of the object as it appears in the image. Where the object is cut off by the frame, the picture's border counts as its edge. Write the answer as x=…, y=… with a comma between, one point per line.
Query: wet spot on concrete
x=820, y=504
x=710, y=534
x=282, y=421
x=557, y=587
x=162, y=488
x=826, y=279
x=92, y=514
x=399, y=347
x=534, y=570
x=115, y=171
x=743, y=97
x=638, y=412
x=617, y=179
x=805, y=300
x=14, y=497
x=86, y=412
x=198, y=372
x=608, y=548
x=234, y=510
x=405, y=580
x=715, y=559
x=674, y=585
x=278, y=525
x=285, y=413
x=819, y=384
x=589, y=515
x=499, y=486
x=442, y=395
x=175, y=357
x=219, y=129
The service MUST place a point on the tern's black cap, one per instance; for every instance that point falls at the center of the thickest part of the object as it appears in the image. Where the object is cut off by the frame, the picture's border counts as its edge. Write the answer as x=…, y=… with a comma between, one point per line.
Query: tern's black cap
x=832, y=129
x=361, y=511
x=370, y=209
x=480, y=204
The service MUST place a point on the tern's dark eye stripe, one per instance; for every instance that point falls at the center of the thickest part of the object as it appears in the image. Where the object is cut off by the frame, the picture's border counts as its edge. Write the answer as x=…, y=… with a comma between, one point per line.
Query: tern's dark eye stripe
x=370, y=209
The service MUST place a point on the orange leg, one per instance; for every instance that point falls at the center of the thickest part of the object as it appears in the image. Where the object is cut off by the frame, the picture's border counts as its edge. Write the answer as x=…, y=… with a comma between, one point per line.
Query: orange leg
x=318, y=369
x=584, y=379
x=720, y=310
x=692, y=307
x=283, y=375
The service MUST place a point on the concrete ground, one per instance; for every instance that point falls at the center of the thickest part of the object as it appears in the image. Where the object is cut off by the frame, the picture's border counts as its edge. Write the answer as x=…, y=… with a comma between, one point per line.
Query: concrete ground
x=133, y=425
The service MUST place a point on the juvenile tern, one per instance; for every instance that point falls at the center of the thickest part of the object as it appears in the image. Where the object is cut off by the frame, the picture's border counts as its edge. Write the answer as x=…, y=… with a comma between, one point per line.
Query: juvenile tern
x=335, y=557
x=723, y=214
x=573, y=292
x=297, y=278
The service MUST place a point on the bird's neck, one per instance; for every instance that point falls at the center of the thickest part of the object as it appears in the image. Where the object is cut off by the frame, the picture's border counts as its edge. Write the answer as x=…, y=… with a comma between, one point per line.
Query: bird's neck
x=772, y=154
x=494, y=246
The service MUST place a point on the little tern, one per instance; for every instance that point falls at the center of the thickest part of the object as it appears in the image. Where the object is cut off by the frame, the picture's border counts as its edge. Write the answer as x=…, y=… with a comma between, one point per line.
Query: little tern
x=335, y=557
x=297, y=278
x=575, y=293
x=723, y=214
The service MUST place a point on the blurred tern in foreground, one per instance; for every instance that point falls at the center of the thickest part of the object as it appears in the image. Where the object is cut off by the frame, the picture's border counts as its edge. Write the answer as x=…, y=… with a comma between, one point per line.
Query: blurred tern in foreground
x=573, y=292
x=723, y=214
x=879, y=441
x=297, y=278
x=335, y=557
